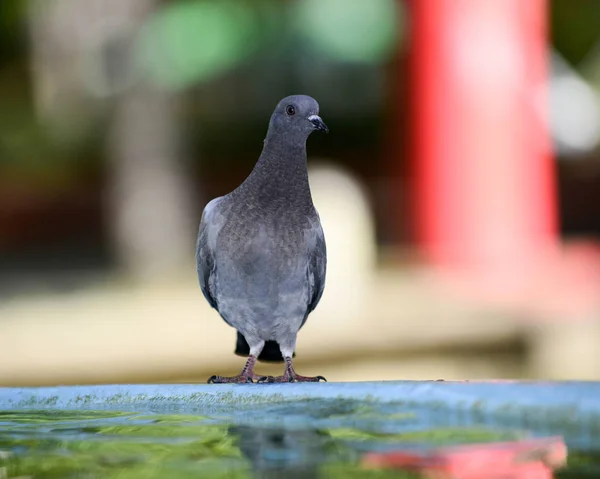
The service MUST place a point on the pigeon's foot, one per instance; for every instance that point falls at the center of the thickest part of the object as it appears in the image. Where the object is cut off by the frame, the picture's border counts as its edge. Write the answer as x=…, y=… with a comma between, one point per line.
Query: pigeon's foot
x=240, y=379
x=246, y=376
x=290, y=376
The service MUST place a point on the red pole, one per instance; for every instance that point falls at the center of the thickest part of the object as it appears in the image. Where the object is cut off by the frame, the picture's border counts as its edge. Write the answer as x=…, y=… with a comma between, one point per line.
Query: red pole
x=484, y=177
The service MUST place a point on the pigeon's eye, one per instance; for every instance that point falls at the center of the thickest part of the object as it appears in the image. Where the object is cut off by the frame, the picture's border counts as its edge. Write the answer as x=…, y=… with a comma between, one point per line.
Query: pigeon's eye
x=290, y=110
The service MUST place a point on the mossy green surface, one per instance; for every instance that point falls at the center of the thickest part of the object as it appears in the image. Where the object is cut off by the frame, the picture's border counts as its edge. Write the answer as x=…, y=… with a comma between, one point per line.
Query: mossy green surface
x=176, y=446
x=312, y=439
x=52, y=415
x=432, y=436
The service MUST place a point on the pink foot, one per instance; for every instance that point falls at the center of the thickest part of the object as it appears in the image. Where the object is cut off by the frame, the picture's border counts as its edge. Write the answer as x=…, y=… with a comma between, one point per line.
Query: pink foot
x=246, y=376
x=290, y=376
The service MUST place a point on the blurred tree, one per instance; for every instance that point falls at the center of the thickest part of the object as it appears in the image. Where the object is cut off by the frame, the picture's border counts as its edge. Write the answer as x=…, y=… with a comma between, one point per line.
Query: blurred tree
x=82, y=65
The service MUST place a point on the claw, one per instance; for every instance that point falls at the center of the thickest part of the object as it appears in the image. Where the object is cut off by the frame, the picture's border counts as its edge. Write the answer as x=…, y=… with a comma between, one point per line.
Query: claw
x=307, y=379
x=245, y=377
x=291, y=378
x=229, y=380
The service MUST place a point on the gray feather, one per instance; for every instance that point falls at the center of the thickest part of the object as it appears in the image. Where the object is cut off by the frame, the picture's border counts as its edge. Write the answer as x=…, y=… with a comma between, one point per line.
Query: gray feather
x=317, y=267
x=210, y=226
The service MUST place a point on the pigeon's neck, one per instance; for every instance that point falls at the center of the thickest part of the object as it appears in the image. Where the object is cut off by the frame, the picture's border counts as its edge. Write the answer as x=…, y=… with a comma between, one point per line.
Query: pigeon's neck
x=280, y=172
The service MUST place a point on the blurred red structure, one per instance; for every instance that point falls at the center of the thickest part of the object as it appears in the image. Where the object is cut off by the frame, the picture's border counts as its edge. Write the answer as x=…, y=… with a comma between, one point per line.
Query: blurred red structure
x=532, y=459
x=485, y=204
x=484, y=176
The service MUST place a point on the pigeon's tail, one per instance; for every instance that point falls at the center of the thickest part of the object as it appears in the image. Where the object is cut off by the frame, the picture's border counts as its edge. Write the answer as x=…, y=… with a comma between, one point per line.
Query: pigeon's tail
x=269, y=354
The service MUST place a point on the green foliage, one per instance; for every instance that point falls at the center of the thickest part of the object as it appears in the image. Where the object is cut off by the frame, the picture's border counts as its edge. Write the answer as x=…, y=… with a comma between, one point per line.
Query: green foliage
x=194, y=40
x=12, y=15
x=575, y=27
x=357, y=31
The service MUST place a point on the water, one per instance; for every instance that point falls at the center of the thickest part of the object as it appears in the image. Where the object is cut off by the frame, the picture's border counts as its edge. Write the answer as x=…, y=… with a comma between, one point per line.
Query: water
x=269, y=435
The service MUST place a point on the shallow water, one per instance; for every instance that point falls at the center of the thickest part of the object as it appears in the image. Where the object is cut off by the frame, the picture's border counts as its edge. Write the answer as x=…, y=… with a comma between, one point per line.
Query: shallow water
x=311, y=438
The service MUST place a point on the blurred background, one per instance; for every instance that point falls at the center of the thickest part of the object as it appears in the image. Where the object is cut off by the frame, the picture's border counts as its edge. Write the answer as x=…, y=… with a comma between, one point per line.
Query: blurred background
x=459, y=187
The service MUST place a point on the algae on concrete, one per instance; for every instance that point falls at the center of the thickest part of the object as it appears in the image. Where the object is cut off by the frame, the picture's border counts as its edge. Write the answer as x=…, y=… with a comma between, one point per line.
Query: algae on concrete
x=322, y=438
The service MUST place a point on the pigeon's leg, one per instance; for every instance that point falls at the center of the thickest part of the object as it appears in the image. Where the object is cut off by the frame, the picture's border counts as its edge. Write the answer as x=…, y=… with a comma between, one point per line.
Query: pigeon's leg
x=290, y=376
x=247, y=375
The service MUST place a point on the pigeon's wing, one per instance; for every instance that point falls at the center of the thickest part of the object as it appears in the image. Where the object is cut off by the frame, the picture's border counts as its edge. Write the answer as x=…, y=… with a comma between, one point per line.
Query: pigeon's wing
x=317, y=266
x=210, y=226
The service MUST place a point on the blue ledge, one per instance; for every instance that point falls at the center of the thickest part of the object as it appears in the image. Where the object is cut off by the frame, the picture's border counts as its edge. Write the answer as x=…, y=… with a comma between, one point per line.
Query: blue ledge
x=580, y=397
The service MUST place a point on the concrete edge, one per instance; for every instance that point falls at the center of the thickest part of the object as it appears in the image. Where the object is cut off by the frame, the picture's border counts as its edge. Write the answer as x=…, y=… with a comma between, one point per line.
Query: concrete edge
x=561, y=400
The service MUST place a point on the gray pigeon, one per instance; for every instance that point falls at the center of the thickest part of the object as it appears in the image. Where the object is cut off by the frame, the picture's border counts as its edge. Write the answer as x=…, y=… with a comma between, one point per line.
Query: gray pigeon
x=260, y=255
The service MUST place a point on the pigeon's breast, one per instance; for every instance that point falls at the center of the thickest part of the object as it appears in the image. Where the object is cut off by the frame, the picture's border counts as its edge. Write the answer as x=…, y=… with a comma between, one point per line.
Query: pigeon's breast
x=262, y=269
x=272, y=248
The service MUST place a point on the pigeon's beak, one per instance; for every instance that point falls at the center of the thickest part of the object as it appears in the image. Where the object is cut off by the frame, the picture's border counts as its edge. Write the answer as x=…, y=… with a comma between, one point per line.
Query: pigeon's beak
x=318, y=124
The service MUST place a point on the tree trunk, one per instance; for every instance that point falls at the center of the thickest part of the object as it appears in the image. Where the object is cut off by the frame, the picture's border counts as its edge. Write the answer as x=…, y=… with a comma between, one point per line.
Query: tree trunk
x=82, y=64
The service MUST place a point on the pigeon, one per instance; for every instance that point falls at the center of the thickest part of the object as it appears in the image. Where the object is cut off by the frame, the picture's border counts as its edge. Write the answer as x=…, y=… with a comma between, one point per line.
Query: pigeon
x=261, y=256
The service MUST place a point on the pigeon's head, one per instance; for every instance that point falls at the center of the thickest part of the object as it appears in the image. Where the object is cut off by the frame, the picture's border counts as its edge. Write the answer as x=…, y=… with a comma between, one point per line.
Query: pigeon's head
x=297, y=116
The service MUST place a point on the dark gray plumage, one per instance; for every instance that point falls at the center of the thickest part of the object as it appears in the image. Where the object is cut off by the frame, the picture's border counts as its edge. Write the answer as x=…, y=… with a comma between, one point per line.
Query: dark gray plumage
x=261, y=255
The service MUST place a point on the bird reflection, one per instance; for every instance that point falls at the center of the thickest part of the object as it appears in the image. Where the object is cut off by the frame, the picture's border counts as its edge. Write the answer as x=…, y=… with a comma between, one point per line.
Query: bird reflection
x=276, y=452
